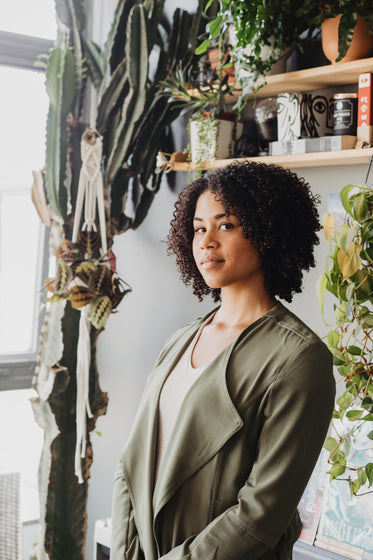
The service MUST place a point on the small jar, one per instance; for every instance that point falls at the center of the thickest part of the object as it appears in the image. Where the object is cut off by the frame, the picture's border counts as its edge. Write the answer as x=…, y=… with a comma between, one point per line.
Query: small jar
x=345, y=113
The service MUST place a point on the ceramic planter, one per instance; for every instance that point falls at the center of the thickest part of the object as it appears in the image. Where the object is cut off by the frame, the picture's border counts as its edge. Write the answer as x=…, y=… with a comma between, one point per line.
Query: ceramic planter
x=212, y=139
x=361, y=44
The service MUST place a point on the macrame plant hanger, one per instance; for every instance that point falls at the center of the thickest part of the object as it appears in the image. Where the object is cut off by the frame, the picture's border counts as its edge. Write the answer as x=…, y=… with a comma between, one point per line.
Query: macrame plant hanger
x=90, y=195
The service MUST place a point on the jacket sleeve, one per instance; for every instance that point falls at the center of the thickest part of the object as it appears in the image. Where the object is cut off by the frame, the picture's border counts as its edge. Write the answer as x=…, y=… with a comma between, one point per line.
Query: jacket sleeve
x=125, y=543
x=297, y=411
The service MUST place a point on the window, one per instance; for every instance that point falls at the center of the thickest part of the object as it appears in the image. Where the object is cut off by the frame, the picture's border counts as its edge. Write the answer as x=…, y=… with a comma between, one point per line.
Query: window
x=23, y=244
x=27, y=30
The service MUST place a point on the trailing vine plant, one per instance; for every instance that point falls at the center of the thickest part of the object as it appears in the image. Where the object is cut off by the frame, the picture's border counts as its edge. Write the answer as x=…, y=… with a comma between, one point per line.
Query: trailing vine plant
x=348, y=276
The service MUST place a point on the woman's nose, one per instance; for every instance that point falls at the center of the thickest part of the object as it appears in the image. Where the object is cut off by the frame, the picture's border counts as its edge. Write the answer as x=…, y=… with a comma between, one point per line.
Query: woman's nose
x=208, y=241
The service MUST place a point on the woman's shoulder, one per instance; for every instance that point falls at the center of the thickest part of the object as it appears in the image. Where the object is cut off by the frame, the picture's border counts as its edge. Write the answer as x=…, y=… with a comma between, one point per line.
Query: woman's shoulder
x=299, y=343
x=282, y=337
x=288, y=323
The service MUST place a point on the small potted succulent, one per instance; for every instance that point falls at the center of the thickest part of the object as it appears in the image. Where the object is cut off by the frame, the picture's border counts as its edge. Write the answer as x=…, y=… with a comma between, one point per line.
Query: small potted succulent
x=212, y=129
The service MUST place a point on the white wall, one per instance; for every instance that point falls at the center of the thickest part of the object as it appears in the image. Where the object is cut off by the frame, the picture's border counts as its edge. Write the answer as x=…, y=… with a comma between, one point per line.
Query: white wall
x=159, y=304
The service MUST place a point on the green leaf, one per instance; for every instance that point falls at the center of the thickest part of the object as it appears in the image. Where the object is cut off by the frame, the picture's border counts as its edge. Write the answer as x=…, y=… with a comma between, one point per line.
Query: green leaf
x=345, y=236
x=350, y=291
x=333, y=338
x=368, y=254
x=362, y=476
x=370, y=434
x=354, y=415
x=360, y=207
x=345, y=400
x=338, y=358
x=320, y=292
x=215, y=26
x=337, y=470
x=344, y=194
x=367, y=320
x=355, y=486
x=347, y=446
x=203, y=46
x=367, y=404
x=354, y=350
x=330, y=444
x=369, y=473
x=208, y=4
x=340, y=311
x=61, y=89
x=133, y=106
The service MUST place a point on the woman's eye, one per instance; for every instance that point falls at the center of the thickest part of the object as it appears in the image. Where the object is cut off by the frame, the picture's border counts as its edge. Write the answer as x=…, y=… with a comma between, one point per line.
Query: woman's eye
x=226, y=226
x=199, y=230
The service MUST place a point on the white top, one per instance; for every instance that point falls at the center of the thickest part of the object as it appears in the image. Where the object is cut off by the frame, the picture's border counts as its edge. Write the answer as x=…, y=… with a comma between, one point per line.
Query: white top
x=173, y=392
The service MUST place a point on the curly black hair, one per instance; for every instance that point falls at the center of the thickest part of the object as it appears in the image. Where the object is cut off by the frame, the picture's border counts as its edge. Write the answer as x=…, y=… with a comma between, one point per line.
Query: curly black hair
x=277, y=211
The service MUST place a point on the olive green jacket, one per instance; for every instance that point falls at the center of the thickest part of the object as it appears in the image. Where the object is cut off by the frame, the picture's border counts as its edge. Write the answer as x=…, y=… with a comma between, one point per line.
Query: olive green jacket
x=246, y=440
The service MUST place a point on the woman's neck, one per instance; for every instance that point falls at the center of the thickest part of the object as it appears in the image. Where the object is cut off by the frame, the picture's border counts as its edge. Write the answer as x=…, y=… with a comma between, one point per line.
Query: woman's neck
x=243, y=308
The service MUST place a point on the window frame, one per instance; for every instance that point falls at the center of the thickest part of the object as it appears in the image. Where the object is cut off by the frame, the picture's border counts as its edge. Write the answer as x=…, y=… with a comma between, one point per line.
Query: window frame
x=17, y=370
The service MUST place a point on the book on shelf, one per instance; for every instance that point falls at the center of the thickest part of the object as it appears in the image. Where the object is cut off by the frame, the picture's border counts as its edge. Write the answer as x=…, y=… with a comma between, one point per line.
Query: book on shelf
x=338, y=547
x=308, y=145
x=365, y=108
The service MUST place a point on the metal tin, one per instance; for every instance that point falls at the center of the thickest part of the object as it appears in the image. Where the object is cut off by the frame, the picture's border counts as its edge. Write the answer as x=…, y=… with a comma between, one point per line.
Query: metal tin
x=345, y=113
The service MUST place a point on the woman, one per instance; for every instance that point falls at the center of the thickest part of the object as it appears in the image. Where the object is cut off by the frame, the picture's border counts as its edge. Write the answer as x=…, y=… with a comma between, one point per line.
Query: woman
x=235, y=412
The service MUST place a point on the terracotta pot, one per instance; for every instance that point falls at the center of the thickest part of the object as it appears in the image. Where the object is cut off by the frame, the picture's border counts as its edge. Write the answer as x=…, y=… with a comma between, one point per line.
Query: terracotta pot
x=361, y=44
x=214, y=60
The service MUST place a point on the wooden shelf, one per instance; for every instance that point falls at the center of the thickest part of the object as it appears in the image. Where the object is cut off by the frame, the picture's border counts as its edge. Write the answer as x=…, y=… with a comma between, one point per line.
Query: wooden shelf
x=344, y=73
x=312, y=78
x=315, y=159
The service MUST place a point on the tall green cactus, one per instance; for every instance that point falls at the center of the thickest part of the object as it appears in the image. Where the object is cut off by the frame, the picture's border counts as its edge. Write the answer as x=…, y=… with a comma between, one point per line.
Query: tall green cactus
x=136, y=49
x=132, y=118
x=61, y=89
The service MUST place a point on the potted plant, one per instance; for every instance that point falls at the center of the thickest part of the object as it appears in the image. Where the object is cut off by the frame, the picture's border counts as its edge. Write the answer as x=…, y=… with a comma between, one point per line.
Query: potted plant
x=347, y=27
x=349, y=277
x=212, y=129
x=262, y=33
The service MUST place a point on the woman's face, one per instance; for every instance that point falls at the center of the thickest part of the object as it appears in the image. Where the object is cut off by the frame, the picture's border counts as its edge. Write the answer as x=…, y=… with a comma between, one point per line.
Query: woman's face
x=224, y=257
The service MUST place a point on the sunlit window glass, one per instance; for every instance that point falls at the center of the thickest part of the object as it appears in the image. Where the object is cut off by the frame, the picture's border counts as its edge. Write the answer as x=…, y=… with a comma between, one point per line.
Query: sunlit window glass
x=29, y=17
x=22, y=148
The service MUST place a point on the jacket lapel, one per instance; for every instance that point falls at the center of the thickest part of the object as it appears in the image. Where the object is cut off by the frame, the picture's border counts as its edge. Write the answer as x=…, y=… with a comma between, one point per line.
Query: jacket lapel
x=207, y=420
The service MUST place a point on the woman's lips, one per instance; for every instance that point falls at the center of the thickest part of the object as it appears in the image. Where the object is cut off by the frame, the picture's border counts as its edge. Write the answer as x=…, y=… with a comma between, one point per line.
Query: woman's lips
x=211, y=263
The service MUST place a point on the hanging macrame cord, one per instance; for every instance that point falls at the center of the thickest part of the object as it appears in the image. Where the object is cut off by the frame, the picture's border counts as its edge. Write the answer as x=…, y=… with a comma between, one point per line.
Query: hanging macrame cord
x=91, y=195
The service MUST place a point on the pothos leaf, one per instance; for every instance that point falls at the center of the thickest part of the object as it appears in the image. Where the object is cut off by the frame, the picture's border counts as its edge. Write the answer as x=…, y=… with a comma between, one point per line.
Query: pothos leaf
x=349, y=264
x=328, y=224
x=330, y=444
x=369, y=471
x=320, y=292
x=345, y=198
x=333, y=338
